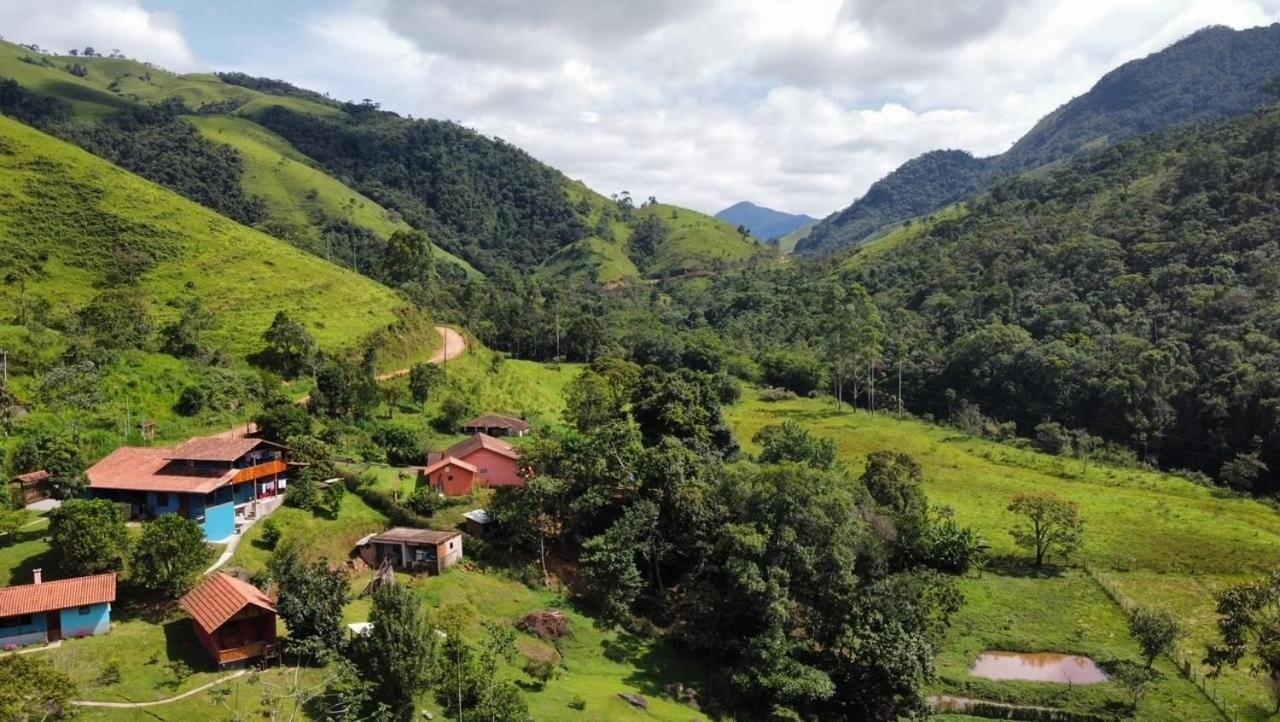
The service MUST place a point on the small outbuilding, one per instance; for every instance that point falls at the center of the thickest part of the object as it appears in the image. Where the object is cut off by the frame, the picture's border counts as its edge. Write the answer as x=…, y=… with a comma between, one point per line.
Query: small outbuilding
x=478, y=523
x=31, y=487
x=234, y=620
x=48, y=611
x=496, y=425
x=414, y=550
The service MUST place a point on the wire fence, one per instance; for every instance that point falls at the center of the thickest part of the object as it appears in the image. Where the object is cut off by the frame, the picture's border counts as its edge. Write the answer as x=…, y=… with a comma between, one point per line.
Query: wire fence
x=1186, y=666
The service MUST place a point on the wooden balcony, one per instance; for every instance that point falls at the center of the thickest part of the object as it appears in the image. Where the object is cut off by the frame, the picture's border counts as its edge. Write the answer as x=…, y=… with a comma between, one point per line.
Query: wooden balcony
x=259, y=471
x=252, y=650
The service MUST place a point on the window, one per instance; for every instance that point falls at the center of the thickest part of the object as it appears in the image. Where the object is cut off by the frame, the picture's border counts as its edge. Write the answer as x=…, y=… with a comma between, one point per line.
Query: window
x=450, y=545
x=162, y=498
x=21, y=621
x=84, y=610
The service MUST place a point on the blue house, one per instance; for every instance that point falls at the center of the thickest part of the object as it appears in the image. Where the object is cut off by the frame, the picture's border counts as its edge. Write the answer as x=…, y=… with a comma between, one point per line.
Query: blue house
x=48, y=611
x=210, y=479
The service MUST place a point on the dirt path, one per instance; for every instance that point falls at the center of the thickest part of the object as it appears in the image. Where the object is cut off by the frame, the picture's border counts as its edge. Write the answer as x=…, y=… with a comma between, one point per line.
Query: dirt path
x=960, y=705
x=184, y=695
x=454, y=346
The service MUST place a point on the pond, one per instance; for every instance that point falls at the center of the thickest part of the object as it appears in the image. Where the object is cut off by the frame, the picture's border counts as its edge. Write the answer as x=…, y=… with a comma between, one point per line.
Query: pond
x=1038, y=667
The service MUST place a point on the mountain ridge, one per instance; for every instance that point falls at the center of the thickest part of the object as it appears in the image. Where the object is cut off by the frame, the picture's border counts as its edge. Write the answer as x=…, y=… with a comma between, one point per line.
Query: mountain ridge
x=764, y=223
x=1213, y=73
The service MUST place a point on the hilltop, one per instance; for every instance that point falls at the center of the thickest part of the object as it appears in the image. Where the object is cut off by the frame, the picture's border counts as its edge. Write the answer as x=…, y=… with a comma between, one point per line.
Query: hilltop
x=1211, y=74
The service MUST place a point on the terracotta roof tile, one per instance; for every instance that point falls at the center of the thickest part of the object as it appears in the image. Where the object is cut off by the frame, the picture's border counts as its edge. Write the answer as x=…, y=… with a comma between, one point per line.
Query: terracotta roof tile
x=32, y=477
x=212, y=448
x=466, y=447
x=149, y=469
x=219, y=598
x=60, y=594
x=497, y=421
x=433, y=467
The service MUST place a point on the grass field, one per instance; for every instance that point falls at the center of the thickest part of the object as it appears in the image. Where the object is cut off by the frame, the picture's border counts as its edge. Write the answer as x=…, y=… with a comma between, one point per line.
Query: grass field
x=893, y=237
x=1164, y=541
x=696, y=241
x=93, y=220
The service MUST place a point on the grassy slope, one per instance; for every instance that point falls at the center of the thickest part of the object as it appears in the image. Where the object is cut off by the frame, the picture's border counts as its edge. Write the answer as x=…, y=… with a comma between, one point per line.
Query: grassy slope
x=285, y=179
x=893, y=237
x=696, y=241
x=86, y=96
x=1164, y=541
x=79, y=209
x=787, y=243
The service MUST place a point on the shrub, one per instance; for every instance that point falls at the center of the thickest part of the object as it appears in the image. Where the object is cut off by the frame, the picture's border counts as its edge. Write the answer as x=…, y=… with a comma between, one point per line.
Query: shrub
x=110, y=673
x=271, y=533
x=578, y=702
x=778, y=394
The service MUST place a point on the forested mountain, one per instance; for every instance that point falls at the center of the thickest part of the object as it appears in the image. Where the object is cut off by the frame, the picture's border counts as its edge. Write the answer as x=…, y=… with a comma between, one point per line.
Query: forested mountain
x=1130, y=293
x=764, y=223
x=337, y=179
x=1214, y=73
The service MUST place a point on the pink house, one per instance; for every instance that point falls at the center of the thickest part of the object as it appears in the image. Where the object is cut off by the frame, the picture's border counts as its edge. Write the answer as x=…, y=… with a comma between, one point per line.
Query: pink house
x=480, y=459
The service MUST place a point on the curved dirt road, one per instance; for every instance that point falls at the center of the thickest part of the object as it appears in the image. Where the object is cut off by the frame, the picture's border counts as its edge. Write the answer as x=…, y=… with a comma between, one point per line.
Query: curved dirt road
x=454, y=346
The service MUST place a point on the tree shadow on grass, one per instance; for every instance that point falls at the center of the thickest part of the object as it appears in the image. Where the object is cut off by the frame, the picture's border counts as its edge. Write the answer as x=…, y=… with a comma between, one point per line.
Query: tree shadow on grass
x=181, y=645
x=1008, y=565
x=21, y=574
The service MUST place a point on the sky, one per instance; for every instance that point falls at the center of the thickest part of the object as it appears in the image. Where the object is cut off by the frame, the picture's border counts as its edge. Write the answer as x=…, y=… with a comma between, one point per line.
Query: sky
x=797, y=105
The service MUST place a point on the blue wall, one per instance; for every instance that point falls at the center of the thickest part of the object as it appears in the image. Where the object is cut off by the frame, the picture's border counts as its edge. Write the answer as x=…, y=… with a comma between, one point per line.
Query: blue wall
x=97, y=620
x=244, y=493
x=219, y=521
x=33, y=633
x=170, y=507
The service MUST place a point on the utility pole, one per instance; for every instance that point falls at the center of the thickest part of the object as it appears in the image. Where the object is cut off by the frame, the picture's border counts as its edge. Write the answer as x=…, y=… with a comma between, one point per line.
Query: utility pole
x=4, y=361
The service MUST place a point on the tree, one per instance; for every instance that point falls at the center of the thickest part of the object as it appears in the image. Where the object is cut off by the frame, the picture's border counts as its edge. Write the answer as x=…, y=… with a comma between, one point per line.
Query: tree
x=397, y=652
x=401, y=444
x=290, y=348
x=532, y=514
x=282, y=419
x=1249, y=624
x=792, y=442
x=169, y=556
x=1051, y=525
x=88, y=537
x=117, y=319
x=187, y=336
x=1133, y=677
x=1242, y=472
x=75, y=388
x=896, y=482
x=33, y=690
x=453, y=411
x=423, y=378
x=592, y=401
x=312, y=596
x=11, y=520
x=1157, y=632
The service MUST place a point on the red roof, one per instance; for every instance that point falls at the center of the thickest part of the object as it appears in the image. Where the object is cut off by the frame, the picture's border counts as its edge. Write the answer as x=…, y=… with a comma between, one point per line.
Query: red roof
x=467, y=447
x=32, y=477
x=497, y=421
x=149, y=469
x=432, y=468
x=61, y=594
x=219, y=598
x=213, y=448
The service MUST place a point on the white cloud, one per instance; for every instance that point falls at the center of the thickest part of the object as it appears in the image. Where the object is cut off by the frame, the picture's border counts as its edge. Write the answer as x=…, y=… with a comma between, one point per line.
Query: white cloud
x=797, y=104
x=104, y=24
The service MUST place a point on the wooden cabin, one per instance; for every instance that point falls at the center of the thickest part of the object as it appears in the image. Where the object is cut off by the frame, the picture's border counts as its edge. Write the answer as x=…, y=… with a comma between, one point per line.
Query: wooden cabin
x=234, y=620
x=31, y=487
x=496, y=425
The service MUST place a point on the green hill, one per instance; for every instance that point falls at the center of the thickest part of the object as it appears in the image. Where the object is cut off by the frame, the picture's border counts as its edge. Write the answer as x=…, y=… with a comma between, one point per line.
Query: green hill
x=80, y=224
x=1214, y=73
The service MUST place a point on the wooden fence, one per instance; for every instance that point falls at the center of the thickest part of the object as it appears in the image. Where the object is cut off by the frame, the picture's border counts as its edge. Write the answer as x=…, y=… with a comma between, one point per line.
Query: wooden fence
x=1186, y=666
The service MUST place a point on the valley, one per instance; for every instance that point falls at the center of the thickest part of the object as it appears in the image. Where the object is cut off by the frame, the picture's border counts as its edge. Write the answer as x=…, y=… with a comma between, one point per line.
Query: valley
x=312, y=410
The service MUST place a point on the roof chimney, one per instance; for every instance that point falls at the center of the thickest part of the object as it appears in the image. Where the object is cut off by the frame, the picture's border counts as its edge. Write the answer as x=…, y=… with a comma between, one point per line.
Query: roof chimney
x=37, y=575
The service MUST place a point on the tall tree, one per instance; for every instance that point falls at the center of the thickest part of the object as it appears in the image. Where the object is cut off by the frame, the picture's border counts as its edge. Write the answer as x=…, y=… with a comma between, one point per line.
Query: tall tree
x=169, y=556
x=1049, y=525
x=88, y=537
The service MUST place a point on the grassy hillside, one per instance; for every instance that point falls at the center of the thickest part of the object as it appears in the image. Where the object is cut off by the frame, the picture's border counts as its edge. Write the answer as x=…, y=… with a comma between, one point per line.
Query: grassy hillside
x=81, y=222
x=298, y=194
x=1163, y=540
x=788, y=243
x=697, y=242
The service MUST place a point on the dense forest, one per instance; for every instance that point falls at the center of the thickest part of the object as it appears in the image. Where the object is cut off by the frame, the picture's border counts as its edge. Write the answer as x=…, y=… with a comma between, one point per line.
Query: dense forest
x=480, y=198
x=1214, y=73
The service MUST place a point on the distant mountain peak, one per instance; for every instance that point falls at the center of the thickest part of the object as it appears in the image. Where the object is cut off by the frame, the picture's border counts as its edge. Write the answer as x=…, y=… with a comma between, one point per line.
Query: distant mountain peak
x=764, y=223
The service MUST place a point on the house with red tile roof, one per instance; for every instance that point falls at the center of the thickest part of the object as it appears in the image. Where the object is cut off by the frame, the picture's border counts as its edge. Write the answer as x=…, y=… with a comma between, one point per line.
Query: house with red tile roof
x=234, y=620
x=478, y=460
x=496, y=425
x=209, y=479
x=48, y=611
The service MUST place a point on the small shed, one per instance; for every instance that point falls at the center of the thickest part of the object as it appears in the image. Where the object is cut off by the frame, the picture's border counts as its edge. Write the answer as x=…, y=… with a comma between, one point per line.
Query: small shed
x=31, y=487
x=234, y=620
x=478, y=523
x=496, y=425
x=414, y=550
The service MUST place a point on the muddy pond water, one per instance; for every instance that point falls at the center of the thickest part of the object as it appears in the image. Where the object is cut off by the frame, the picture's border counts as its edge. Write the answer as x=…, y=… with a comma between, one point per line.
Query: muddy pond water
x=1038, y=667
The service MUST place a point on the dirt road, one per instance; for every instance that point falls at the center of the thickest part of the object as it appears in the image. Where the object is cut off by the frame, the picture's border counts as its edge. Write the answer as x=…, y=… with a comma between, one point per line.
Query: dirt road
x=454, y=346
